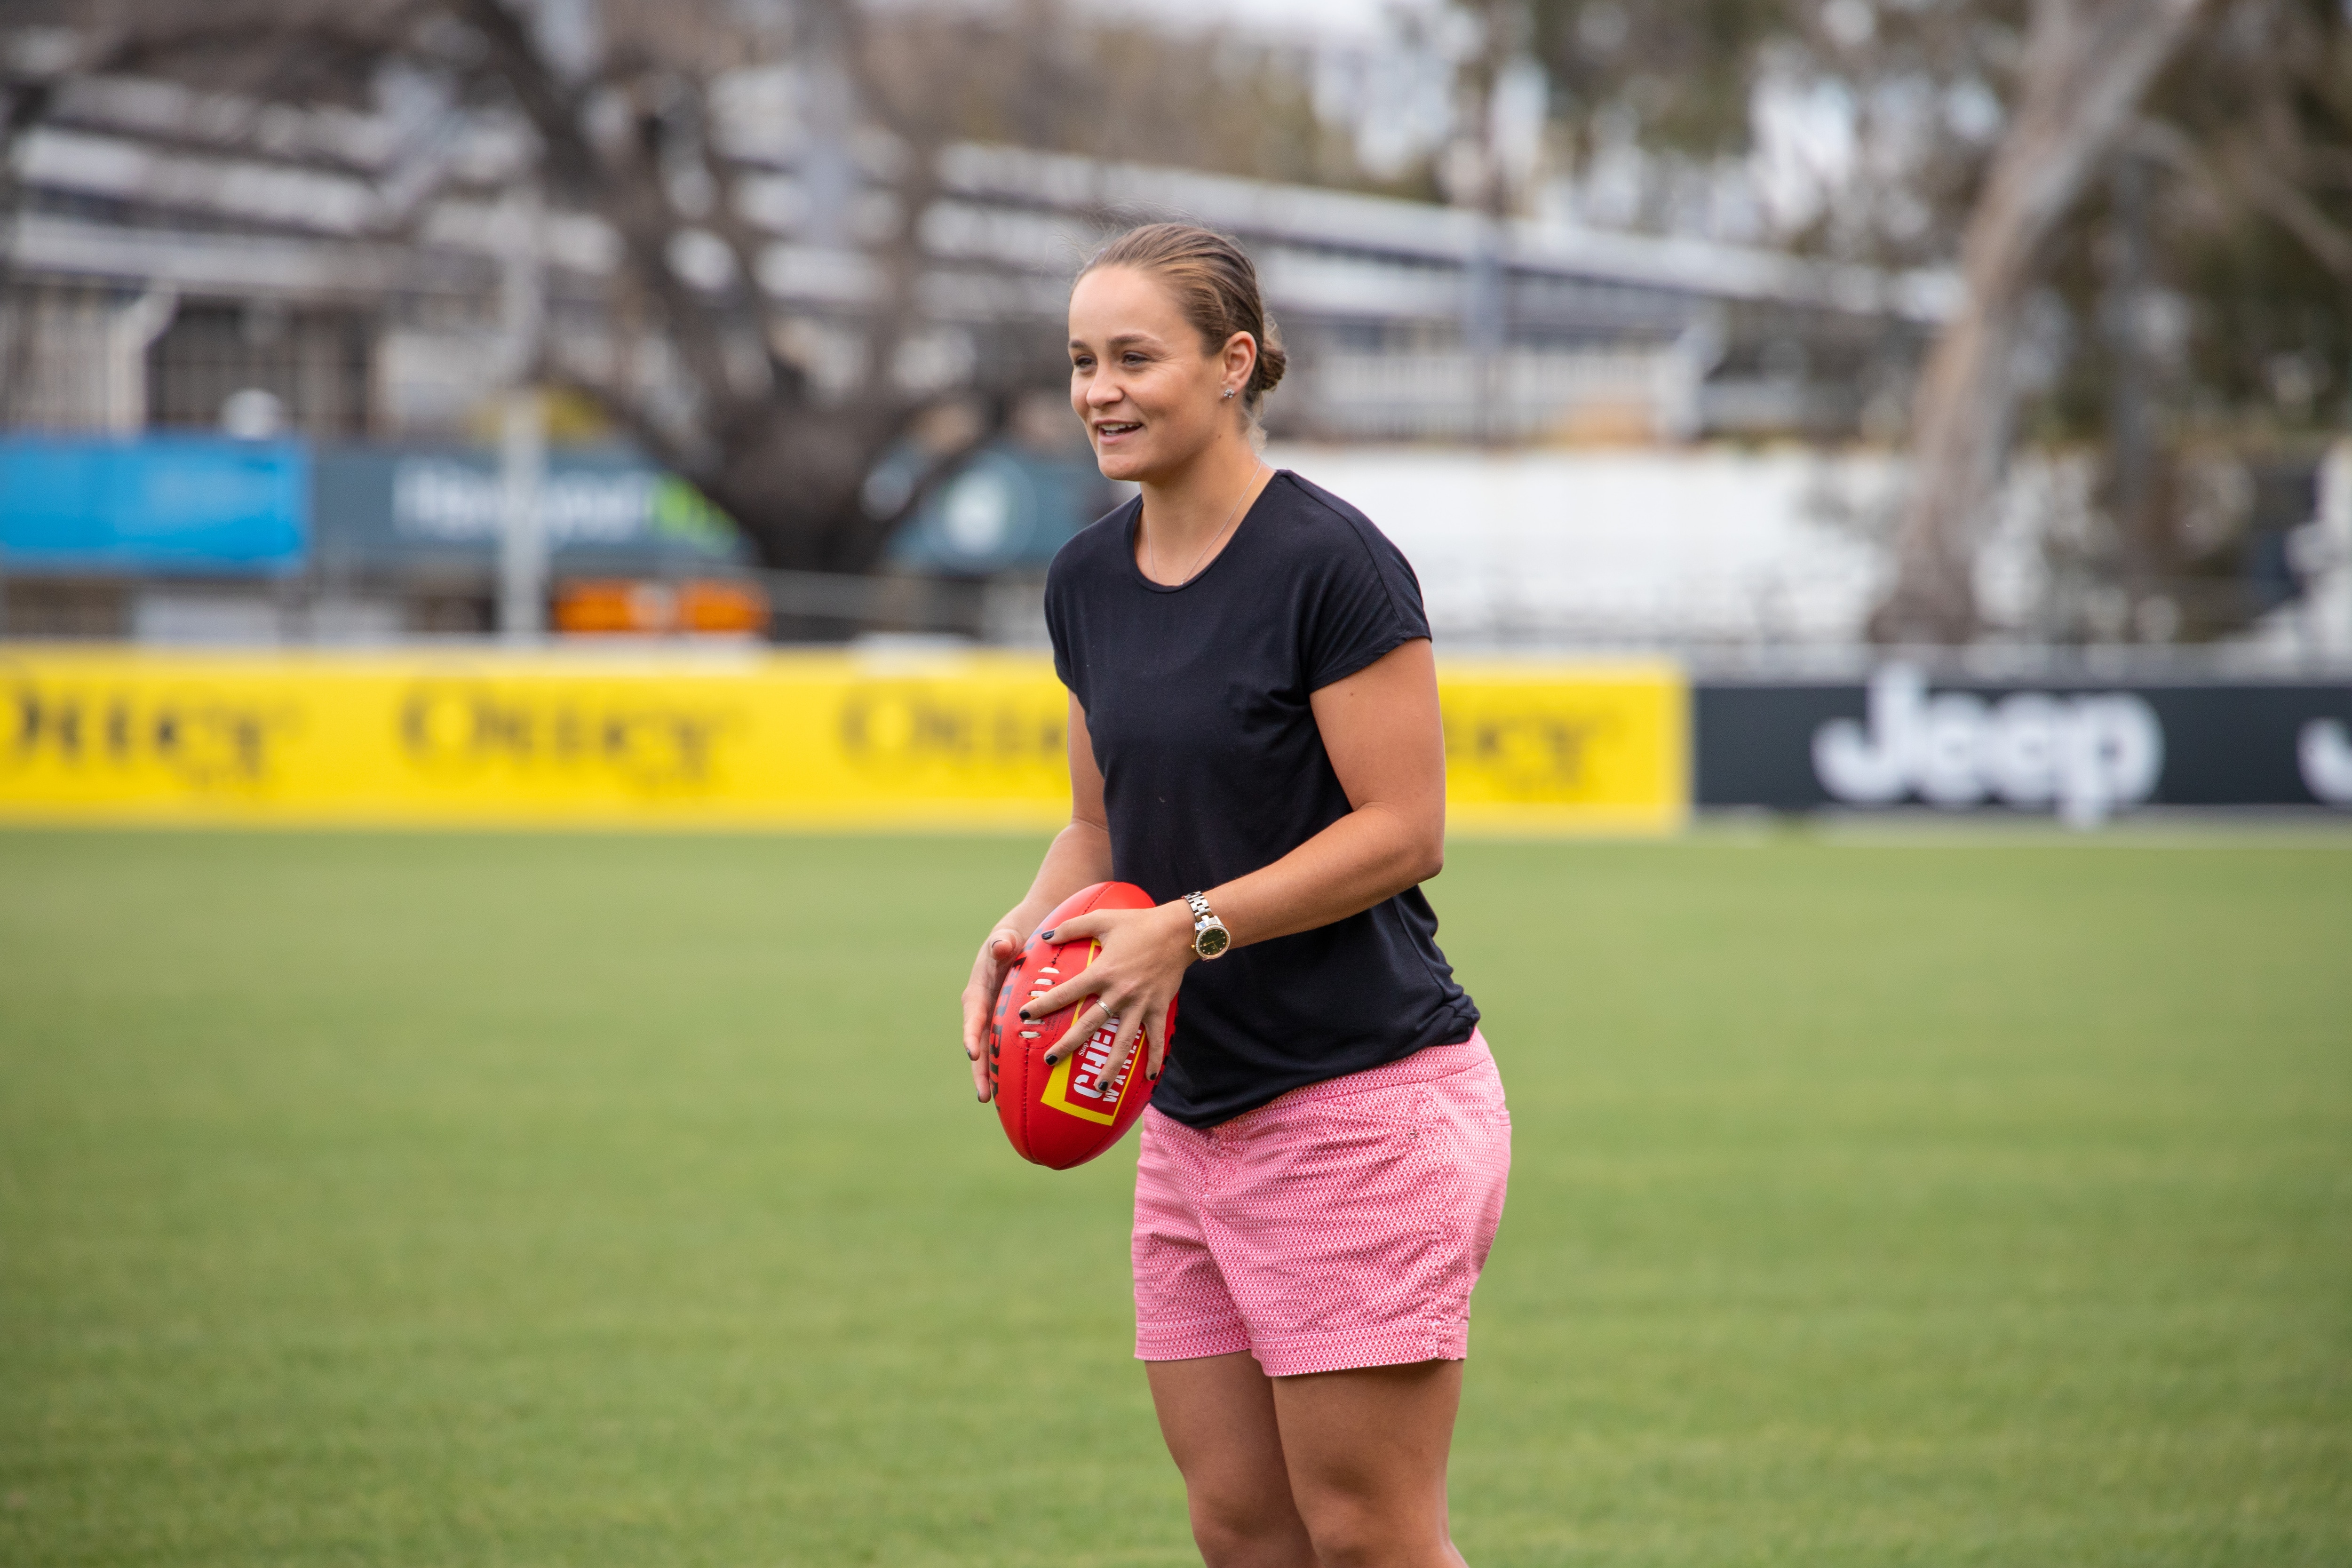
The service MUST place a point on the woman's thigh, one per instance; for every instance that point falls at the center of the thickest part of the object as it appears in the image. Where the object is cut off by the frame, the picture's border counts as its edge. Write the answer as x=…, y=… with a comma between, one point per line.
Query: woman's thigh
x=1365, y=1453
x=1217, y=1413
x=1335, y=1467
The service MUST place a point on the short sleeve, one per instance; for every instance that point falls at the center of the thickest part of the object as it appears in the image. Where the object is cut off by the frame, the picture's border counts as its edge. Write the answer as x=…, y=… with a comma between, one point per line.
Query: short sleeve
x=1058, y=629
x=1088, y=564
x=1367, y=603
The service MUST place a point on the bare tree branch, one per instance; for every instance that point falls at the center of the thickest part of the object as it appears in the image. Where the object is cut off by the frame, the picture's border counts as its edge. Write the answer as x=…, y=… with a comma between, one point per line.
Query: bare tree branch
x=2252, y=175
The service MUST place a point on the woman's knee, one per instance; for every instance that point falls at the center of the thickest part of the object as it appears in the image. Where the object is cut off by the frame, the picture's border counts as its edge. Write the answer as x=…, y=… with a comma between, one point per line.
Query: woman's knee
x=1359, y=1530
x=1250, y=1532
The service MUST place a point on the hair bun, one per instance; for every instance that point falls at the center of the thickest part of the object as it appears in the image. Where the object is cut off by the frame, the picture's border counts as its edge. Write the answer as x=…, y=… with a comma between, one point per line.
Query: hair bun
x=1272, y=361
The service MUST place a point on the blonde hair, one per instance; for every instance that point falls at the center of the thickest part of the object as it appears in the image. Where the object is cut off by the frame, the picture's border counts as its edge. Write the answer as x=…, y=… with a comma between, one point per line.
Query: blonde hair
x=1215, y=287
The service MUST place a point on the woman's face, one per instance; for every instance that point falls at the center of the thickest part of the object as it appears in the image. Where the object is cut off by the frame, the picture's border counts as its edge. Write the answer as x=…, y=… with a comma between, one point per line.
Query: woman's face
x=1150, y=396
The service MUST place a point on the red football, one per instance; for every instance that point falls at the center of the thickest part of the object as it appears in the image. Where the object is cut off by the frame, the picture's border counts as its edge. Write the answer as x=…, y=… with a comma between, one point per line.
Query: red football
x=1065, y=1115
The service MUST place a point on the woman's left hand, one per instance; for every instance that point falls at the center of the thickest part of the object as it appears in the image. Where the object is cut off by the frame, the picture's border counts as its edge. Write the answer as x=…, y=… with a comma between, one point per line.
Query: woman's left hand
x=1144, y=955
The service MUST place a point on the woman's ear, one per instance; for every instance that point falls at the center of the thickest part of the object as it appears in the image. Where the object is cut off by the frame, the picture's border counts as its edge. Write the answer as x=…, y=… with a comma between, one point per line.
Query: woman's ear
x=1241, y=357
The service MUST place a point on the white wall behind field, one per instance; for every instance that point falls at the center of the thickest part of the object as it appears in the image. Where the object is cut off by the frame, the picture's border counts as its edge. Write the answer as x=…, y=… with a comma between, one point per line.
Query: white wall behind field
x=1627, y=548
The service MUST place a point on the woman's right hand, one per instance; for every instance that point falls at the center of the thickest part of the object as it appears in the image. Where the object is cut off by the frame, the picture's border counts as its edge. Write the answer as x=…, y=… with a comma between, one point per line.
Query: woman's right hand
x=988, y=971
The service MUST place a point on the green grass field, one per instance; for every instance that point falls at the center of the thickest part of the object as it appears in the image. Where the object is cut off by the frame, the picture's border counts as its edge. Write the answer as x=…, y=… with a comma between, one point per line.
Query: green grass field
x=457, y=1200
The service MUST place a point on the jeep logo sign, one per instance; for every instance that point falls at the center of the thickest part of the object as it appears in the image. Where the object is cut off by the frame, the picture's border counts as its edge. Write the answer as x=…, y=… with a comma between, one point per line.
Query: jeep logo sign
x=2084, y=748
x=2325, y=751
x=2086, y=754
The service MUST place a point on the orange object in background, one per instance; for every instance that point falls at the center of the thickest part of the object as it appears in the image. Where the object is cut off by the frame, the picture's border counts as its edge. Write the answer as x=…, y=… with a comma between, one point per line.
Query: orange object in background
x=623, y=606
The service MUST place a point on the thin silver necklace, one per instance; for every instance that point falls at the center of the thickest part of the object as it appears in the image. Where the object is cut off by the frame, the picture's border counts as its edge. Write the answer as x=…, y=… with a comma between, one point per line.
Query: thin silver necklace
x=1152, y=556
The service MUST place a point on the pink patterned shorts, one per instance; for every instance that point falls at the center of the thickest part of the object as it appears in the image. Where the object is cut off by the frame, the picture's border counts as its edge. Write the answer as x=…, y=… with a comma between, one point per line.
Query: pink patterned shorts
x=1340, y=1225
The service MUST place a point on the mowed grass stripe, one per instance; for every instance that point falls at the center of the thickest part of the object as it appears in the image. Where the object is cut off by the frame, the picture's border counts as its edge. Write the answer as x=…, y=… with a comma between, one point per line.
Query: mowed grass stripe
x=527, y=1200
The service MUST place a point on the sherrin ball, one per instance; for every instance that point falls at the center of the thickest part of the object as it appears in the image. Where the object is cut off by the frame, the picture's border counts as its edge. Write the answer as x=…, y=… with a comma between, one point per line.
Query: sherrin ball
x=1066, y=1114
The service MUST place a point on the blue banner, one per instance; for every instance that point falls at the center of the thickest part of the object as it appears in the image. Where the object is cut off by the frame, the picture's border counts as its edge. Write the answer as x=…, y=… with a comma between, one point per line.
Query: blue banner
x=165, y=505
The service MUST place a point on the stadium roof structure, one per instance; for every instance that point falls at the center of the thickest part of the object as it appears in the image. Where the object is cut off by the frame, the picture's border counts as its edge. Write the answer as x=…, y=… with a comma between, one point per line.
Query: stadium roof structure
x=140, y=182
x=1343, y=228
x=322, y=176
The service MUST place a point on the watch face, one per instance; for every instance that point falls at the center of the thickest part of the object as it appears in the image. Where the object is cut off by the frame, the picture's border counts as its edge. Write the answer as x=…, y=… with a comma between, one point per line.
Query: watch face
x=1210, y=941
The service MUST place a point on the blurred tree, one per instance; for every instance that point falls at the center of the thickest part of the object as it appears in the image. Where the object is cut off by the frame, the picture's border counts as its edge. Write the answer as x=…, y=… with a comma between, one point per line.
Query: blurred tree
x=719, y=145
x=1678, y=75
x=1041, y=74
x=2177, y=173
x=2086, y=64
x=2212, y=273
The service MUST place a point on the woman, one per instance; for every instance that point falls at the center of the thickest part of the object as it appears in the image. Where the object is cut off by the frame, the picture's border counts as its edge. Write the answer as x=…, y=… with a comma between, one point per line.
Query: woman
x=1255, y=741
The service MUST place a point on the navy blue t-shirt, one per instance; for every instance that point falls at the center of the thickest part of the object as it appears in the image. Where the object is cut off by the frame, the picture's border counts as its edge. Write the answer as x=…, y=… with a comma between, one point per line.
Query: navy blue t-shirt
x=1196, y=702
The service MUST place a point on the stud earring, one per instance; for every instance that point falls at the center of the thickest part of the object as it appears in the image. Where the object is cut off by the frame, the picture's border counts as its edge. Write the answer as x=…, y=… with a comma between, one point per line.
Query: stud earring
x=1228, y=392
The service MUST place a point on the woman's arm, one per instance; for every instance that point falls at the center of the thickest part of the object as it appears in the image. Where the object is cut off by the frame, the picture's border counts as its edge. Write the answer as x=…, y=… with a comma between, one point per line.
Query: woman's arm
x=1078, y=856
x=1382, y=731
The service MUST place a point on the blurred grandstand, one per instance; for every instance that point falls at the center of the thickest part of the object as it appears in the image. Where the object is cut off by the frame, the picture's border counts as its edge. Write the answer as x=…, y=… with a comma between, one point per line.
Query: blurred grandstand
x=260, y=355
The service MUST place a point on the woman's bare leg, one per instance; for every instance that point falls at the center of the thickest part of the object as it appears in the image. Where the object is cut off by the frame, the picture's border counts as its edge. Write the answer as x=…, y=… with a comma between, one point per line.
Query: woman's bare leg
x=1365, y=1454
x=1217, y=1413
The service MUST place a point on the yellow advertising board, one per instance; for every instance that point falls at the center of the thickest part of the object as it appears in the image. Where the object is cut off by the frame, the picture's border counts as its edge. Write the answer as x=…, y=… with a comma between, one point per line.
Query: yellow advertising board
x=745, y=738
x=1546, y=747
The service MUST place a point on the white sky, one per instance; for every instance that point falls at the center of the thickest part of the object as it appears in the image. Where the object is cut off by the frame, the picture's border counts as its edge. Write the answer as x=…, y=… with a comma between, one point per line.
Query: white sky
x=1334, y=19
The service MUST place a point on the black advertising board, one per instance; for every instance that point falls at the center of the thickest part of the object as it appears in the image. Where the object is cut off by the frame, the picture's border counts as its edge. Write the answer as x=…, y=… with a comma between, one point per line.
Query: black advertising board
x=2082, y=748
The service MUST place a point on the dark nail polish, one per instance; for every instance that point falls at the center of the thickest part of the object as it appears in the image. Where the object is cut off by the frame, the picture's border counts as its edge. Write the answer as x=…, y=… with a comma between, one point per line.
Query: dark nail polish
x=1044, y=936
x=1025, y=1016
